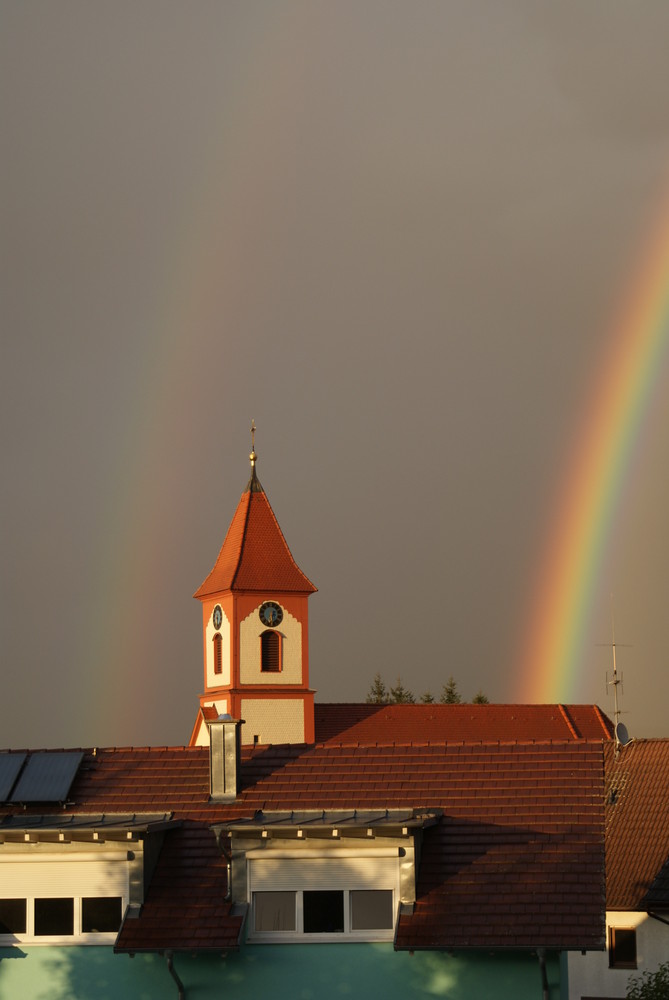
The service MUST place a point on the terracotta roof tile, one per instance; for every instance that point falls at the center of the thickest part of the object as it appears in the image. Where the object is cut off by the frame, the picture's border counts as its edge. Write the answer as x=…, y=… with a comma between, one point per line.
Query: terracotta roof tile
x=184, y=908
x=517, y=853
x=254, y=555
x=637, y=825
x=369, y=723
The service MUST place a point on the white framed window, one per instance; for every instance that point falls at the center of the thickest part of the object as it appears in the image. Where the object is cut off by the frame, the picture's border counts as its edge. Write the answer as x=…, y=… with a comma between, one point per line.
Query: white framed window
x=345, y=894
x=56, y=901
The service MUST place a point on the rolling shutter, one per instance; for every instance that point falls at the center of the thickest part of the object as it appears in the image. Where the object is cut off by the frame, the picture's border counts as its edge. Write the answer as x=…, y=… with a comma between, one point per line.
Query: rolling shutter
x=59, y=878
x=361, y=872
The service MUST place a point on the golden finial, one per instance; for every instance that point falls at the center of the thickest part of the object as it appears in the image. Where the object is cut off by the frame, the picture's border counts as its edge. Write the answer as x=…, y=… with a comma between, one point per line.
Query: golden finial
x=253, y=455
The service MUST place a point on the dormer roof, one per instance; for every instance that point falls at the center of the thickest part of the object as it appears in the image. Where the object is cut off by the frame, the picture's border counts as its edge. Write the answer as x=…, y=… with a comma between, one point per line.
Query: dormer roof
x=255, y=555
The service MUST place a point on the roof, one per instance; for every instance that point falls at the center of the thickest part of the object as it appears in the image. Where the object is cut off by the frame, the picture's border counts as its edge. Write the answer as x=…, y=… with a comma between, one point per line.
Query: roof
x=185, y=908
x=516, y=858
x=254, y=555
x=370, y=723
x=637, y=825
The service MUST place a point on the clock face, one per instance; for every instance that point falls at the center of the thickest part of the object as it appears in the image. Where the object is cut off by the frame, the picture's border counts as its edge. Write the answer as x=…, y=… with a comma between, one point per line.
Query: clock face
x=217, y=616
x=271, y=613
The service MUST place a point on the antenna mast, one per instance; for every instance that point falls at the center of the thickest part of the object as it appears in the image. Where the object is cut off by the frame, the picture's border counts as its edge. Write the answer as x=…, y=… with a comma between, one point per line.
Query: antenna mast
x=616, y=679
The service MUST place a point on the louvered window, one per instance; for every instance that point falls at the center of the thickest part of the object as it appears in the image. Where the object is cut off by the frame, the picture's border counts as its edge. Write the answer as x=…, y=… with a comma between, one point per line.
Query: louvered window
x=270, y=652
x=218, y=653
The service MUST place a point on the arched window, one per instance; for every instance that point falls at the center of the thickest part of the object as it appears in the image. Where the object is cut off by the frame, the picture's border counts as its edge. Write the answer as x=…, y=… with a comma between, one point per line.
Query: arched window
x=270, y=652
x=218, y=653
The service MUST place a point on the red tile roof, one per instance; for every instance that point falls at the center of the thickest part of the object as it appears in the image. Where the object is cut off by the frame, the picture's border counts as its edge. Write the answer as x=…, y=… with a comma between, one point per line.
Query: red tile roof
x=355, y=723
x=516, y=860
x=254, y=555
x=637, y=825
x=185, y=907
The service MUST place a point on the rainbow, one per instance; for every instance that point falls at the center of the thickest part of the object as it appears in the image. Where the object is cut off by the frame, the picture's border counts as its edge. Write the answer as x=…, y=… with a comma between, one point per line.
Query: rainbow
x=199, y=290
x=594, y=485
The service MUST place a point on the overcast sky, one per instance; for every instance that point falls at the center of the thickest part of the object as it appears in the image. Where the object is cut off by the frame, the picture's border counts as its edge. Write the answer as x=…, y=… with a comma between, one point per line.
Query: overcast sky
x=395, y=234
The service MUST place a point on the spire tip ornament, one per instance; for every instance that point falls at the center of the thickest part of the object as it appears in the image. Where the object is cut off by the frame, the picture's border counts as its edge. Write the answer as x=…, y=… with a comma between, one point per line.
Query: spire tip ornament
x=253, y=456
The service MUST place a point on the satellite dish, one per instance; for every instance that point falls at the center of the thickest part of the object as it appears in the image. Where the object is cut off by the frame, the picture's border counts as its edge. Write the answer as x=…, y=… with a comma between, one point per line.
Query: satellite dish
x=622, y=736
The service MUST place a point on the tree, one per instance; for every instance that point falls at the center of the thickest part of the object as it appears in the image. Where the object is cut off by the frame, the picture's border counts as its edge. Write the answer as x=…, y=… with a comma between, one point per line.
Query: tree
x=399, y=695
x=650, y=985
x=427, y=698
x=377, y=694
x=480, y=699
x=450, y=694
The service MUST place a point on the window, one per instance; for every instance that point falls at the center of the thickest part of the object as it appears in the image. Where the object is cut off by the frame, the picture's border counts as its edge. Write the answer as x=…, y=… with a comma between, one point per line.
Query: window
x=59, y=917
x=371, y=908
x=218, y=653
x=75, y=897
x=12, y=916
x=325, y=911
x=324, y=896
x=101, y=914
x=54, y=916
x=274, y=911
x=270, y=652
x=622, y=948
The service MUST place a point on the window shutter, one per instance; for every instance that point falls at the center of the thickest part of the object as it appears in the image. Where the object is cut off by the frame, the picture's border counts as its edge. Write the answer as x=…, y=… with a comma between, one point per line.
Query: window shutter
x=20, y=879
x=275, y=874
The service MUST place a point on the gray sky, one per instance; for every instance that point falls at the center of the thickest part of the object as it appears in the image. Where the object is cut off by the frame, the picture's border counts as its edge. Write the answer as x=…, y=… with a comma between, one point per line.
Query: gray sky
x=395, y=234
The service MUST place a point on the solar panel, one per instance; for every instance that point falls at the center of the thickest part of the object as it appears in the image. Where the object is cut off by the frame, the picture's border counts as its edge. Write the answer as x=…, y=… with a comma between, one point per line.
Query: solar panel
x=47, y=777
x=10, y=765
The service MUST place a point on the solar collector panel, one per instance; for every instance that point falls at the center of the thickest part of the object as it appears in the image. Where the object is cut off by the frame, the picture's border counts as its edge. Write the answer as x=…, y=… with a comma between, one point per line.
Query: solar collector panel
x=47, y=777
x=10, y=765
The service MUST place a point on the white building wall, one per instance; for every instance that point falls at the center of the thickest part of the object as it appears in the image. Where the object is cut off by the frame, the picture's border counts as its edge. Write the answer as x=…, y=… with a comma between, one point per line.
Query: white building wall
x=280, y=720
x=222, y=679
x=590, y=975
x=250, y=630
x=221, y=707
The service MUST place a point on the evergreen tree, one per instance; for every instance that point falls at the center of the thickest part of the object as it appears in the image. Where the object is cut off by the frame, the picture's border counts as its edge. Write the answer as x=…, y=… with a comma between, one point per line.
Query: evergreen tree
x=427, y=698
x=450, y=694
x=377, y=694
x=399, y=695
x=480, y=699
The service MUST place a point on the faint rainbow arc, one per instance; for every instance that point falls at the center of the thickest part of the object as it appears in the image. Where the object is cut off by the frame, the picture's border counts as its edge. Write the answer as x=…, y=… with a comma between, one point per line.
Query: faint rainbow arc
x=595, y=483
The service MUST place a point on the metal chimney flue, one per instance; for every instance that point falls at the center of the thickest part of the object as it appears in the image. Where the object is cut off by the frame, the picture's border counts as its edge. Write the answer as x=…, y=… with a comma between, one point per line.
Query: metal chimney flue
x=225, y=744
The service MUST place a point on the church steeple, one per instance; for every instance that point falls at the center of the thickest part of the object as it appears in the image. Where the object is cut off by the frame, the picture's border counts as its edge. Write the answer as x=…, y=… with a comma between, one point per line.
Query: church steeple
x=255, y=628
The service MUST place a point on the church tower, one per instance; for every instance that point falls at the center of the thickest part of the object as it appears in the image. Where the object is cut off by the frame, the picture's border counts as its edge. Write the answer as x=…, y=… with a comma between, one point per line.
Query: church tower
x=255, y=630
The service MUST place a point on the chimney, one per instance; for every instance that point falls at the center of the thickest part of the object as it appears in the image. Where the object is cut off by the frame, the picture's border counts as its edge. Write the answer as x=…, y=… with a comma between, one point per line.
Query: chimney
x=225, y=741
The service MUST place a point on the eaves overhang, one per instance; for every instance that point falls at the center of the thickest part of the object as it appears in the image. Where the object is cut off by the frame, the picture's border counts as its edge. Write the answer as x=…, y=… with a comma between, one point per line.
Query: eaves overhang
x=330, y=822
x=84, y=827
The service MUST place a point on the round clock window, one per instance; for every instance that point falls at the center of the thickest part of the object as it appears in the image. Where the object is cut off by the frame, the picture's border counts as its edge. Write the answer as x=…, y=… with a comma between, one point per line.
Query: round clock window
x=271, y=613
x=217, y=616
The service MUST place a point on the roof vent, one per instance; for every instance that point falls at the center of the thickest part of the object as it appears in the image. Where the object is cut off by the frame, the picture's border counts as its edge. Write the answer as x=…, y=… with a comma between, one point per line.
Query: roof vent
x=225, y=742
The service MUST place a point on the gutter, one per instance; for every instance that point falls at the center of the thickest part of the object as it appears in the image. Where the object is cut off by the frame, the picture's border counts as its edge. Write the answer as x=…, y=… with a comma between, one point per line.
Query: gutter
x=169, y=957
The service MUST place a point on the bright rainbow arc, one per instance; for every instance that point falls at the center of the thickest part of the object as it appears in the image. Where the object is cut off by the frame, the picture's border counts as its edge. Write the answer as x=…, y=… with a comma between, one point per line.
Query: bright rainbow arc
x=594, y=485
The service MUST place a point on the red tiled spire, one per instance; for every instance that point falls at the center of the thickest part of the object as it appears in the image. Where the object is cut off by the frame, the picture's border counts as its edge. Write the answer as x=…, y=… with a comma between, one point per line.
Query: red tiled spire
x=254, y=555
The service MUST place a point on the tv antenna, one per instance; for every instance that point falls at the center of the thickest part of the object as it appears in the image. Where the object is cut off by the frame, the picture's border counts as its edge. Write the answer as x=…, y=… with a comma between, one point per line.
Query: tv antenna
x=622, y=735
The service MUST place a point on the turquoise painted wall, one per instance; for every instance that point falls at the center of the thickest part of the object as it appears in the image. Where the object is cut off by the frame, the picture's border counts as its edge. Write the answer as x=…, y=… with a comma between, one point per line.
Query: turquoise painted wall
x=286, y=972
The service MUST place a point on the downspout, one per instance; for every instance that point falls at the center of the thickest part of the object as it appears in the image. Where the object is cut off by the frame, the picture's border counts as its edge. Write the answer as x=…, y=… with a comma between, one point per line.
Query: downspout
x=173, y=972
x=227, y=854
x=541, y=955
